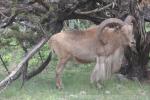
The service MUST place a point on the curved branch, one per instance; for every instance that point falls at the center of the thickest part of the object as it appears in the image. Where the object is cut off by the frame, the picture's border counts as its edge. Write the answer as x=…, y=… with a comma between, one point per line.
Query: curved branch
x=41, y=2
x=96, y=10
x=39, y=69
x=10, y=21
x=9, y=79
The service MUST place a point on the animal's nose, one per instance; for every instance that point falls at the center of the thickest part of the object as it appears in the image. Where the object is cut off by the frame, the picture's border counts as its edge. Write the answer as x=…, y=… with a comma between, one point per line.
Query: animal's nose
x=133, y=46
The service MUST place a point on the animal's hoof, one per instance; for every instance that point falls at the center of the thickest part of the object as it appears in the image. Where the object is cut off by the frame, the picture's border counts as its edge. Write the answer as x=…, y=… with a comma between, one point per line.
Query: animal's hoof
x=59, y=87
x=98, y=86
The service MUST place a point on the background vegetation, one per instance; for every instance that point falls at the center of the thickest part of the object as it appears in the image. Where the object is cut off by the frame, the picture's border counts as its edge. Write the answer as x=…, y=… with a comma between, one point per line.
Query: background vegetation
x=75, y=78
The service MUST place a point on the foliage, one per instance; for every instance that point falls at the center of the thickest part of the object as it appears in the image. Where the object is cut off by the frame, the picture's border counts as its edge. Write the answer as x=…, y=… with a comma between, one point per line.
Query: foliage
x=147, y=27
x=77, y=24
x=76, y=82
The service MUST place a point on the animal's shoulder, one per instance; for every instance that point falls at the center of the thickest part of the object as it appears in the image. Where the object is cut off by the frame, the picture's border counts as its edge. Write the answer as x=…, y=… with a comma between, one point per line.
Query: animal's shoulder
x=91, y=29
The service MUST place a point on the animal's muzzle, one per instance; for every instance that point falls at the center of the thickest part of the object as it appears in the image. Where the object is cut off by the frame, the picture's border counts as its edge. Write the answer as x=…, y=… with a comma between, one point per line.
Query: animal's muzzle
x=133, y=47
x=132, y=44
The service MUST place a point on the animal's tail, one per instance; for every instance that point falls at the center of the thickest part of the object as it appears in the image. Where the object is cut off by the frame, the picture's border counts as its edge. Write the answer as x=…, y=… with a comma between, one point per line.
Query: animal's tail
x=50, y=45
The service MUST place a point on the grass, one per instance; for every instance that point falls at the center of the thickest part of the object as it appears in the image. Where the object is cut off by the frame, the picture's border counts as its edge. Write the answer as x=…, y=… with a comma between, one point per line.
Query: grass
x=76, y=87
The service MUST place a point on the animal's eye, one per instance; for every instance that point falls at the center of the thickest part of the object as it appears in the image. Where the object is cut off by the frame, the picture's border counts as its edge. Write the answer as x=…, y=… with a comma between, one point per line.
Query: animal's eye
x=132, y=42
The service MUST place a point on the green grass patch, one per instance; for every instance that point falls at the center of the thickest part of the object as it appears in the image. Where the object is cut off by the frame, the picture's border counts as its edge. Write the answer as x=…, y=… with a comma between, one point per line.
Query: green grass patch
x=76, y=87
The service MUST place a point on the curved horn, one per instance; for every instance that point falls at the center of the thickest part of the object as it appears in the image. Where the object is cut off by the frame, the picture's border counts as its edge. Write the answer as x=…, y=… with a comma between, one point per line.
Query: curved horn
x=108, y=22
x=129, y=19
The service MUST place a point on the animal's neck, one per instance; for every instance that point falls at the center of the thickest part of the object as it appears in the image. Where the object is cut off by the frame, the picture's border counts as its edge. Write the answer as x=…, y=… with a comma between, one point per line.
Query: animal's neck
x=123, y=39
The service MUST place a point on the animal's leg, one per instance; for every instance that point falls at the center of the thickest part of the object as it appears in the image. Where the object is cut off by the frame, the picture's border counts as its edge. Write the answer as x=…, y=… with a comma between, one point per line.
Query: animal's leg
x=59, y=70
x=98, y=85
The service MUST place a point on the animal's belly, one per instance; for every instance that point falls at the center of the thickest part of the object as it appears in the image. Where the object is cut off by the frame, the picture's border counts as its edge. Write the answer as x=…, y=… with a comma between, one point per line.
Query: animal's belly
x=84, y=55
x=83, y=50
x=83, y=60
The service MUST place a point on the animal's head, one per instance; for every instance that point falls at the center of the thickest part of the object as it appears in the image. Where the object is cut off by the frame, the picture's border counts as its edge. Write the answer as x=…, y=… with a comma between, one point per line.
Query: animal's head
x=127, y=30
x=122, y=30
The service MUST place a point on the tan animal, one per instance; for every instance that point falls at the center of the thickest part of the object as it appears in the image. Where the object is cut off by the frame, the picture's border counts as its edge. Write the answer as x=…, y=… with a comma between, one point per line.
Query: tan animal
x=85, y=46
x=111, y=61
x=106, y=65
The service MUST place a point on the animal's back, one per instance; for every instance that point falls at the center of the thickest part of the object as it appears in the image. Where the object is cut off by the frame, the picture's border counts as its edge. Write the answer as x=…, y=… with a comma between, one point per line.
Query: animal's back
x=79, y=44
x=82, y=34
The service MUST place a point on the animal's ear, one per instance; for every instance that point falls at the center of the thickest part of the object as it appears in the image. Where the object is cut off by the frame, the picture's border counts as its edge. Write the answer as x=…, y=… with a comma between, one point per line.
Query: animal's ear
x=116, y=29
x=130, y=25
x=106, y=29
x=109, y=30
x=128, y=28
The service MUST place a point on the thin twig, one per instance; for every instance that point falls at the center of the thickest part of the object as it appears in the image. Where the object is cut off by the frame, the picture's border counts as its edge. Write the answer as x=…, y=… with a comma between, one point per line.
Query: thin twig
x=95, y=10
x=4, y=64
x=3, y=14
x=40, y=55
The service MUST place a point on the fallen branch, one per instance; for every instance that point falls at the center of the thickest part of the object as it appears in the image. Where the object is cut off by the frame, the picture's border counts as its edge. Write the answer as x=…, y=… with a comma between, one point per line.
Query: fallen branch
x=39, y=69
x=10, y=20
x=9, y=79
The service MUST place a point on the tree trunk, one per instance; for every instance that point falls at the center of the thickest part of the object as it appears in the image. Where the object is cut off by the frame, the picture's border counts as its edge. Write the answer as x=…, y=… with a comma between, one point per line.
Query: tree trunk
x=136, y=64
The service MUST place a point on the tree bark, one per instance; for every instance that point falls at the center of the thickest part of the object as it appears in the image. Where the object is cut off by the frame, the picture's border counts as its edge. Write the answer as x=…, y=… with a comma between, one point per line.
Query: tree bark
x=136, y=64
